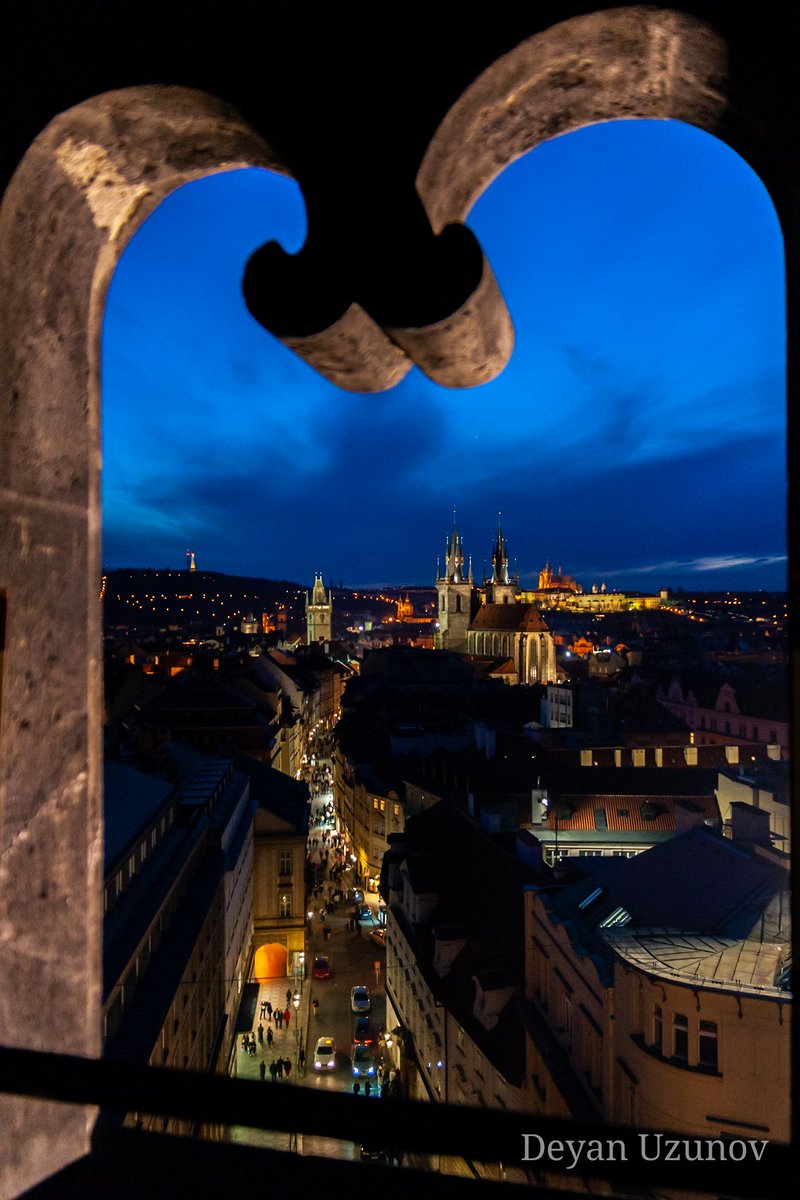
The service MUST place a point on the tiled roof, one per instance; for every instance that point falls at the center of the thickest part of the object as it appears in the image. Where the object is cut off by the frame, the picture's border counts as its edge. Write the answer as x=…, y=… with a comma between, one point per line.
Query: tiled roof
x=633, y=812
x=517, y=618
x=725, y=960
x=131, y=801
x=696, y=882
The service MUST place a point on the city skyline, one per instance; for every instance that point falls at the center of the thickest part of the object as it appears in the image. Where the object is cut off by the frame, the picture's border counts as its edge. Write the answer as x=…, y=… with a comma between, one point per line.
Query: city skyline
x=636, y=437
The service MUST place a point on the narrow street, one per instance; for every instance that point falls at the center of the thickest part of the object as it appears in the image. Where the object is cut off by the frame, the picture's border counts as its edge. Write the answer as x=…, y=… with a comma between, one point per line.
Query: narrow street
x=355, y=960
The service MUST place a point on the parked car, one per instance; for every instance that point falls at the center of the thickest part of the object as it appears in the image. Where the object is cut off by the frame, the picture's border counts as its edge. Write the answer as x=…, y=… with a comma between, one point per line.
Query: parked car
x=325, y=1054
x=359, y=999
x=363, y=1031
x=379, y=936
x=322, y=967
x=363, y=1062
x=356, y=895
x=363, y=912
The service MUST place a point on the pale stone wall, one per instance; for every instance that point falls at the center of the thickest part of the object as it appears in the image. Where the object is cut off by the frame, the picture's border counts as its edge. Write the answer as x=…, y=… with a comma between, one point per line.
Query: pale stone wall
x=85, y=185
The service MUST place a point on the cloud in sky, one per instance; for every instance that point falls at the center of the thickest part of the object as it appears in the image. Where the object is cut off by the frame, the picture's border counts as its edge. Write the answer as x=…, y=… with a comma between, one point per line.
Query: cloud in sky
x=641, y=419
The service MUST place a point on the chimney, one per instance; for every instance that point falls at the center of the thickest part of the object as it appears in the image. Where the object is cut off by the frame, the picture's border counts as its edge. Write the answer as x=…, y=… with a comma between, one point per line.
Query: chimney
x=749, y=824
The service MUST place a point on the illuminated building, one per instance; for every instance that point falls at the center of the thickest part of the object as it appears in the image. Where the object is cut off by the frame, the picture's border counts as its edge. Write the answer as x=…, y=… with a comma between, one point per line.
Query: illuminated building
x=319, y=613
x=456, y=595
x=491, y=622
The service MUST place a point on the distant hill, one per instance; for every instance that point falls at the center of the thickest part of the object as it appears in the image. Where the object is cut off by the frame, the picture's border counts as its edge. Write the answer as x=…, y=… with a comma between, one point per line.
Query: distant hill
x=142, y=597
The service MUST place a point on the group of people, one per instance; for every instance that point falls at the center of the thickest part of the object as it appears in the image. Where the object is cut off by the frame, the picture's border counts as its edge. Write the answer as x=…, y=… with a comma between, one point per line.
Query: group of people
x=280, y=1016
x=281, y=1068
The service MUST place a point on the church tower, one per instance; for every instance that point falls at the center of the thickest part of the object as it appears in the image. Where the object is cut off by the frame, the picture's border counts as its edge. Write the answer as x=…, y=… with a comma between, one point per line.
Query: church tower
x=500, y=588
x=454, y=590
x=319, y=613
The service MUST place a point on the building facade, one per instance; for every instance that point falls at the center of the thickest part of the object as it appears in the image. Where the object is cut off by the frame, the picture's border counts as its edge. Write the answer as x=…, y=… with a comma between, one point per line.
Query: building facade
x=319, y=613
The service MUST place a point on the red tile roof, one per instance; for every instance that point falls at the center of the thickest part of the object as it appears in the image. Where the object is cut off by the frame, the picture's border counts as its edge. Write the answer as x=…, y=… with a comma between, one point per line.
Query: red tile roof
x=513, y=618
x=629, y=812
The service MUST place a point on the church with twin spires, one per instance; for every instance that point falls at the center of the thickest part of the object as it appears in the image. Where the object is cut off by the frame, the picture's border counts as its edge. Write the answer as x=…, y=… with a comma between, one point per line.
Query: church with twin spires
x=488, y=620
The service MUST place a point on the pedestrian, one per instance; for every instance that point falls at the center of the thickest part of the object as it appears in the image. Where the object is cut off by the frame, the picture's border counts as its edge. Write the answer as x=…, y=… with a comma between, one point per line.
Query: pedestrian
x=263, y=1012
x=287, y=1067
x=367, y=1088
x=279, y=1067
x=269, y=1008
x=279, y=1018
x=315, y=1005
x=262, y=1070
x=356, y=1088
x=286, y=1015
x=301, y=1059
x=260, y=1034
x=270, y=1037
x=273, y=1070
x=288, y=997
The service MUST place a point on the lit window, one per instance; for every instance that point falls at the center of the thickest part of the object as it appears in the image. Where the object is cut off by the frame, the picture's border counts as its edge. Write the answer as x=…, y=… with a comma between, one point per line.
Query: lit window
x=285, y=905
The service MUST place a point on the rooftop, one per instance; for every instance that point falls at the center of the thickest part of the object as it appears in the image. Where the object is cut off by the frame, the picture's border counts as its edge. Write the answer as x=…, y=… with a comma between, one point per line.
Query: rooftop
x=747, y=964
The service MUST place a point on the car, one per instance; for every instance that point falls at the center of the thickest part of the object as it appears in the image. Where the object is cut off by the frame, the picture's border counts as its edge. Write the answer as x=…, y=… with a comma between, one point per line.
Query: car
x=325, y=1054
x=363, y=1032
x=363, y=912
x=359, y=999
x=379, y=936
x=322, y=967
x=363, y=1062
x=372, y=1153
x=356, y=895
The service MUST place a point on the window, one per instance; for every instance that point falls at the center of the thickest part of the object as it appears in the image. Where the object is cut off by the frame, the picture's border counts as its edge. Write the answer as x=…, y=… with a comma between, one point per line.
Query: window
x=285, y=904
x=396, y=809
x=707, y=1045
x=680, y=1036
x=658, y=1028
x=285, y=862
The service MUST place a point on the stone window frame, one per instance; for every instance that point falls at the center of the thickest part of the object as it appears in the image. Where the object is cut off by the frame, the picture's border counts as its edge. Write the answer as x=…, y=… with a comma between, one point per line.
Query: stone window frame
x=81, y=191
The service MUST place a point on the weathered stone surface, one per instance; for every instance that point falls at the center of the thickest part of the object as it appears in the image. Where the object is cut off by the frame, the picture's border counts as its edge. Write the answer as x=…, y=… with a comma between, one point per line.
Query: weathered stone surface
x=86, y=184
x=354, y=353
x=625, y=62
x=468, y=348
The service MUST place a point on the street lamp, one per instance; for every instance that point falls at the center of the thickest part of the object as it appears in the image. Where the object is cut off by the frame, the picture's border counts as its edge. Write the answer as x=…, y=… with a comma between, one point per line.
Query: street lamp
x=296, y=1003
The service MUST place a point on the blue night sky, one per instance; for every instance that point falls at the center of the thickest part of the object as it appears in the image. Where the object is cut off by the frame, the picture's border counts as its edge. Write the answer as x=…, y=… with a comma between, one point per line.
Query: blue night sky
x=637, y=437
